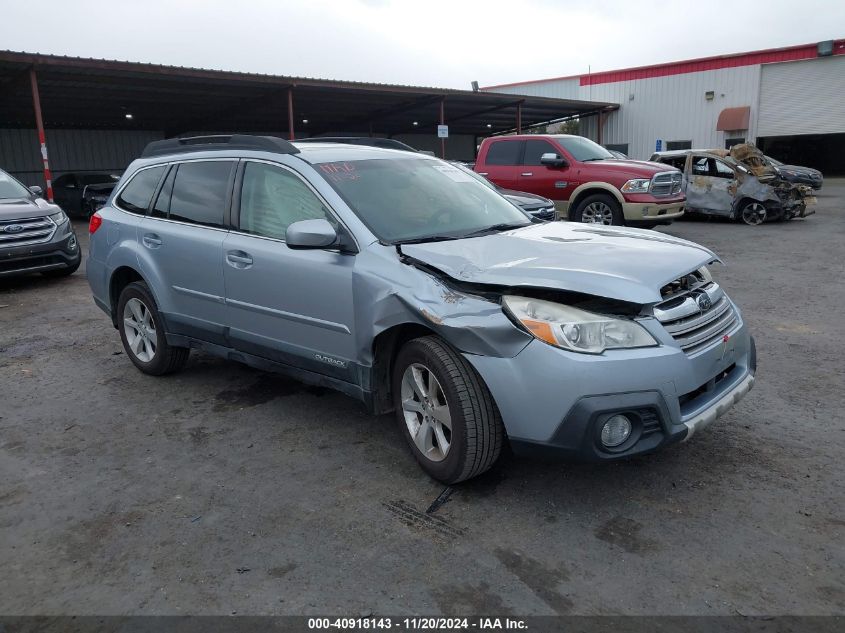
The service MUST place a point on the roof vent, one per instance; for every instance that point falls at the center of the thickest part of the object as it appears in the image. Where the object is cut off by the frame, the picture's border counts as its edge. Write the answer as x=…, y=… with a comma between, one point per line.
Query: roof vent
x=825, y=49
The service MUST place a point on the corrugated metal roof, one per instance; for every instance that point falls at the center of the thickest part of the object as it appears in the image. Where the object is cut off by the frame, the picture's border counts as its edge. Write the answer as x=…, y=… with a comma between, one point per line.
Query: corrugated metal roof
x=733, y=60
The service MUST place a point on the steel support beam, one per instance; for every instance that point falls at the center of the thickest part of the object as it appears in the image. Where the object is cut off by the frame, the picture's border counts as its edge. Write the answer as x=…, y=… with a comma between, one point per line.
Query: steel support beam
x=443, y=122
x=519, y=118
x=39, y=124
x=291, y=131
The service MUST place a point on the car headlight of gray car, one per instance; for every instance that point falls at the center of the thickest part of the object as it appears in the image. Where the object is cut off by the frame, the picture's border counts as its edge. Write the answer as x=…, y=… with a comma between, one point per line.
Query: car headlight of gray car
x=58, y=218
x=575, y=329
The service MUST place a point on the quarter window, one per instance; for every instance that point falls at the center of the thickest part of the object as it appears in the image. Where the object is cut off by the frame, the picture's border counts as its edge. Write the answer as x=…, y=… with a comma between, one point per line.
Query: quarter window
x=504, y=153
x=200, y=192
x=273, y=198
x=136, y=196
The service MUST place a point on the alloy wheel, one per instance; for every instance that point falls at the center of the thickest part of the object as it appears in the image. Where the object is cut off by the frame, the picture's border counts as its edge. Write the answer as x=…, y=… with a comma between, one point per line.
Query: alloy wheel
x=140, y=330
x=426, y=412
x=597, y=213
x=754, y=213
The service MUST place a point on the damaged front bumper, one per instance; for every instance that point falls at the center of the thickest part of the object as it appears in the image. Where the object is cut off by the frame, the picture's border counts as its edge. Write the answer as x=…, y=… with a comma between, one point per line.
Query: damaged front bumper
x=554, y=402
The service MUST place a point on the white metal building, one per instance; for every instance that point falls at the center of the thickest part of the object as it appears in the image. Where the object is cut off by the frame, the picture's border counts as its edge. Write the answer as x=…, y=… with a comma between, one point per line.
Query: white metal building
x=789, y=101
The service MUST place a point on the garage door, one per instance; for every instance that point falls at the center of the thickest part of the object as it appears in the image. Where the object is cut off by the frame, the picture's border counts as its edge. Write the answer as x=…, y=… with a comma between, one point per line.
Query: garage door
x=802, y=97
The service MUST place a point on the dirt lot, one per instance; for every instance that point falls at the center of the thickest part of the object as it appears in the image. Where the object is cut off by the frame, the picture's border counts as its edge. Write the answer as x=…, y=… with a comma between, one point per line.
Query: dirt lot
x=223, y=489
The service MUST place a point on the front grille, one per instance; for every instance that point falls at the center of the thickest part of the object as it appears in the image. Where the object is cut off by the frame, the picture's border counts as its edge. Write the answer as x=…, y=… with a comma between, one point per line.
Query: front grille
x=651, y=423
x=667, y=183
x=699, y=318
x=27, y=231
x=543, y=213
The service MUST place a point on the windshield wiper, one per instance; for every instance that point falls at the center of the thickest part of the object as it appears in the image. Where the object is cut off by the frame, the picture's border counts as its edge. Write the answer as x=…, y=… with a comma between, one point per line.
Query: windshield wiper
x=587, y=160
x=504, y=226
x=428, y=238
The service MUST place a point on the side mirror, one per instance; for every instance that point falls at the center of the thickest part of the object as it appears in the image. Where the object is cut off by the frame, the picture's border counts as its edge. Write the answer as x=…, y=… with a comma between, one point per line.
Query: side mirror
x=550, y=159
x=311, y=234
x=38, y=191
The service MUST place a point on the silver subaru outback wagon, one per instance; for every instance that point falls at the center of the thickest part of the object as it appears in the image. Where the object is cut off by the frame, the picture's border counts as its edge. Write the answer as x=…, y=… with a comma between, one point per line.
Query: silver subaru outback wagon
x=405, y=283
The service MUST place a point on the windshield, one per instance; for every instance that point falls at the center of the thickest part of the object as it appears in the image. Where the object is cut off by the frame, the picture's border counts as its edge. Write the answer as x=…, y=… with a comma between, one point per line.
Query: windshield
x=419, y=199
x=583, y=149
x=478, y=177
x=11, y=188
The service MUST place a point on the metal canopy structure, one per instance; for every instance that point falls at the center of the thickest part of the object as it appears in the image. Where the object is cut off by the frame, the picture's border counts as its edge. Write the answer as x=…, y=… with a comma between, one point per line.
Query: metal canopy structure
x=99, y=94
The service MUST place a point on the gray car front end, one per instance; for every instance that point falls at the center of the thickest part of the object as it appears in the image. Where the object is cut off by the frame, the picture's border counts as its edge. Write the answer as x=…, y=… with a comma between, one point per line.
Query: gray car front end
x=336, y=316
x=35, y=235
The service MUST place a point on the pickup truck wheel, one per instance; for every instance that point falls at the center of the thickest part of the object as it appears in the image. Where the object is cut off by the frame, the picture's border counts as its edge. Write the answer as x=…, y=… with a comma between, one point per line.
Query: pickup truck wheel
x=445, y=411
x=143, y=335
x=598, y=208
x=753, y=213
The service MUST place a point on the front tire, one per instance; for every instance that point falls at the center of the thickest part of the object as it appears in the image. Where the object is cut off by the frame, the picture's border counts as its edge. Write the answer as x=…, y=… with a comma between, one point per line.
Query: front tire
x=445, y=411
x=753, y=213
x=143, y=335
x=599, y=208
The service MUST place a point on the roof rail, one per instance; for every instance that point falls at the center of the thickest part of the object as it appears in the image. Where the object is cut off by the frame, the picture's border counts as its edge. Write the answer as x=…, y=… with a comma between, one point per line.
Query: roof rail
x=219, y=142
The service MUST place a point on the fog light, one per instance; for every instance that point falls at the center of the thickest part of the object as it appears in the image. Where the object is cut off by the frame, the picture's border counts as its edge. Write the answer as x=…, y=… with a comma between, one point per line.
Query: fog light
x=71, y=243
x=615, y=431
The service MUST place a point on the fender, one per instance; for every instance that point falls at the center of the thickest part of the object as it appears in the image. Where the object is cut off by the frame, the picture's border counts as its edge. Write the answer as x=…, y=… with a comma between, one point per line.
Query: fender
x=580, y=189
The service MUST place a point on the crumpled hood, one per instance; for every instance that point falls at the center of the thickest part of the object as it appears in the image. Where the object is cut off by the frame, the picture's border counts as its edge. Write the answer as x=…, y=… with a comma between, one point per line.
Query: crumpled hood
x=625, y=264
x=20, y=208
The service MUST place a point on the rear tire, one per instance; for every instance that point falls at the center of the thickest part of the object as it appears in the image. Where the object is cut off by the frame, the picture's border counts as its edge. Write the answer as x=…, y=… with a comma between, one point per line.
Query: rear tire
x=599, y=208
x=433, y=385
x=142, y=332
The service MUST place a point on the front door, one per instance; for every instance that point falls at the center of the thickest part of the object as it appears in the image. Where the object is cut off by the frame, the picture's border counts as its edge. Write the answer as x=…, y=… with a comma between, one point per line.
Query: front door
x=503, y=162
x=711, y=186
x=291, y=306
x=554, y=183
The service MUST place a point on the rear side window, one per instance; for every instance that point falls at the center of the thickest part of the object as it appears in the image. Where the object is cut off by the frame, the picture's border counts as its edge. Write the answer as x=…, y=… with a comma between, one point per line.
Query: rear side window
x=504, y=153
x=535, y=148
x=200, y=192
x=273, y=198
x=135, y=197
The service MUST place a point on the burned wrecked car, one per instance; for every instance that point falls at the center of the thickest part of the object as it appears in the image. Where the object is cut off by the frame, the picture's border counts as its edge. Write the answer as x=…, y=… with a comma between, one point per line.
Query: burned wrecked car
x=409, y=285
x=738, y=184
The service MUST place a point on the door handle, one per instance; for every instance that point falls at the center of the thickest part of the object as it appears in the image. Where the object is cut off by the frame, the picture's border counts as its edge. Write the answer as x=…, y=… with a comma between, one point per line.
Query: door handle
x=239, y=259
x=528, y=173
x=482, y=173
x=151, y=240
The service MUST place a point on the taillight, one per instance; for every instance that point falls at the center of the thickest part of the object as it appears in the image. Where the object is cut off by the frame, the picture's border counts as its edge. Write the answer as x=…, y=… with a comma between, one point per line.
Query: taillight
x=94, y=223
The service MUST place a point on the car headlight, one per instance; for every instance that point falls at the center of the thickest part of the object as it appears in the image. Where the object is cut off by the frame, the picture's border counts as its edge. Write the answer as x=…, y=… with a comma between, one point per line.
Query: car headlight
x=575, y=329
x=637, y=185
x=58, y=218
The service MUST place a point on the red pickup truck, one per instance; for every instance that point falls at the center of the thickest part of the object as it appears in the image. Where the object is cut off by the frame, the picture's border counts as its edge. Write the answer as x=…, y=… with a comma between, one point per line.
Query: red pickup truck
x=587, y=183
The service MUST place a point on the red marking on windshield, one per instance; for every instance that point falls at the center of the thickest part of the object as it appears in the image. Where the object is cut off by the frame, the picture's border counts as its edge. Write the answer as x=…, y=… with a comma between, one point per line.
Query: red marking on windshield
x=339, y=171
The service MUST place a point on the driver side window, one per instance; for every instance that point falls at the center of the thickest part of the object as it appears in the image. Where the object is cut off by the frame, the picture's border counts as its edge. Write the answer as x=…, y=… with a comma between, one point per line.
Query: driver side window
x=721, y=170
x=272, y=199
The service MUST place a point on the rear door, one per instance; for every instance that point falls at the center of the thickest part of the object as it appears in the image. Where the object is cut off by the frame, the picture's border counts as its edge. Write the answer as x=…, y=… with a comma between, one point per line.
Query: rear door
x=711, y=185
x=502, y=163
x=291, y=306
x=182, y=246
x=551, y=182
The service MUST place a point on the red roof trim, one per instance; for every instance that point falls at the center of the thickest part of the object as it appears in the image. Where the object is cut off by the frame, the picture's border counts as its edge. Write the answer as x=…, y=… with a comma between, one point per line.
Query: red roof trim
x=734, y=60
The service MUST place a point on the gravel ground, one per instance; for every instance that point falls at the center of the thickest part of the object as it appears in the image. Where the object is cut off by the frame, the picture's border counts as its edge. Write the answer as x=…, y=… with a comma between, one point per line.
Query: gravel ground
x=223, y=489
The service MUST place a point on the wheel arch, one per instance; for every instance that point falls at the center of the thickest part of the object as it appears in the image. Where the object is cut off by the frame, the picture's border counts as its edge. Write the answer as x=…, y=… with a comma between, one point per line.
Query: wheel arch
x=119, y=279
x=386, y=346
x=591, y=188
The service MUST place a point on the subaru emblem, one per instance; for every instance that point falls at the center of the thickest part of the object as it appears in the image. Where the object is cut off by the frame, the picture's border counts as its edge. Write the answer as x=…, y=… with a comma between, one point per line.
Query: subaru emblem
x=13, y=228
x=704, y=302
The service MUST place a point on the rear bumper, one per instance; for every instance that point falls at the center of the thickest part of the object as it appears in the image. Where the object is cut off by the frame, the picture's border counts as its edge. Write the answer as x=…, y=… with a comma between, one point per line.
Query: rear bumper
x=60, y=252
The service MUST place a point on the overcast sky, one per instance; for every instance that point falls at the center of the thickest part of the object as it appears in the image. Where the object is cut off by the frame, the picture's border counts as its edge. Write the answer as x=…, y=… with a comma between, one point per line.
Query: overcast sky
x=446, y=43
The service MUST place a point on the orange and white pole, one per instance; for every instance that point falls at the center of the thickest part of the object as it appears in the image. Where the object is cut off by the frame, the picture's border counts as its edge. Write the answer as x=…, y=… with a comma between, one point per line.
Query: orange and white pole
x=42, y=141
